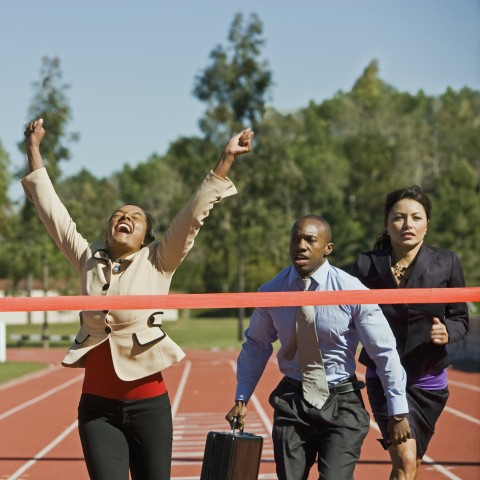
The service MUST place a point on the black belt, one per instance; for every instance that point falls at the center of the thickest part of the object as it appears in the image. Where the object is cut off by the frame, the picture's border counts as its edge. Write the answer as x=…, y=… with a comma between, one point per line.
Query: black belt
x=346, y=387
x=349, y=385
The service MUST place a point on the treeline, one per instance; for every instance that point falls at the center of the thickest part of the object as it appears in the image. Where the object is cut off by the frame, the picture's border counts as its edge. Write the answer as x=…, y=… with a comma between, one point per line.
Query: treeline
x=337, y=158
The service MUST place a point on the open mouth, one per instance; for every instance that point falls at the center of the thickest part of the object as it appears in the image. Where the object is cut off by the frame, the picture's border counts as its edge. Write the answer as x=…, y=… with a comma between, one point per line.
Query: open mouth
x=123, y=228
x=300, y=259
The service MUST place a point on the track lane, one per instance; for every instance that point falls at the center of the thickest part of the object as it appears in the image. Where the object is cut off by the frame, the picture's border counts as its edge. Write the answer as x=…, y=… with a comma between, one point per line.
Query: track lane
x=31, y=433
x=201, y=393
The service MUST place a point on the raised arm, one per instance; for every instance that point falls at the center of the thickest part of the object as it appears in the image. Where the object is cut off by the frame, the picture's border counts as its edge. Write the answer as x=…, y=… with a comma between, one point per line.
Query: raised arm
x=40, y=191
x=34, y=134
x=239, y=144
x=180, y=236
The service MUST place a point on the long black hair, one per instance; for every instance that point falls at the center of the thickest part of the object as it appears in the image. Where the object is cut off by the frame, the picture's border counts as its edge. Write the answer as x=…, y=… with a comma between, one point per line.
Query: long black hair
x=414, y=193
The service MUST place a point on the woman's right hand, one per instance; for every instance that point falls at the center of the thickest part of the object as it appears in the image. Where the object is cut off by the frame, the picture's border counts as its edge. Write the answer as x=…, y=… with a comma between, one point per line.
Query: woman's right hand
x=34, y=134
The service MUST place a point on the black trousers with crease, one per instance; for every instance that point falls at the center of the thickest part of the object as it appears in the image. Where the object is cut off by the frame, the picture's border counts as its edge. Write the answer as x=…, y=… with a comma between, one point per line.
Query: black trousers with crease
x=301, y=433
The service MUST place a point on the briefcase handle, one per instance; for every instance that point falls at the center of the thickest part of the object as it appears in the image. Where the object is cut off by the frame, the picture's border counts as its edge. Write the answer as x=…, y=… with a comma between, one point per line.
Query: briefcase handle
x=233, y=425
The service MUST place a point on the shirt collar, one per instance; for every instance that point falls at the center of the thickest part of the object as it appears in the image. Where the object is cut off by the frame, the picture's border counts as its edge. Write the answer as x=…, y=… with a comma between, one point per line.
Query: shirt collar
x=319, y=276
x=102, y=254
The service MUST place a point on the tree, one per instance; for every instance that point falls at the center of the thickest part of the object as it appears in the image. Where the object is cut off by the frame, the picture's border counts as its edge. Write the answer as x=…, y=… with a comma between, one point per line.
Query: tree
x=50, y=102
x=235, y=87
x=236, y=84
x=4, y=183
x=29, y=244
x=155, y=186
x=6, y=214
x=456, y=216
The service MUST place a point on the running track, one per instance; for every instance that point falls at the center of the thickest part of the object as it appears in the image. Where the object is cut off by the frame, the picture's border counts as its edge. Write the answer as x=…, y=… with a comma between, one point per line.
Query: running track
x=39, y=440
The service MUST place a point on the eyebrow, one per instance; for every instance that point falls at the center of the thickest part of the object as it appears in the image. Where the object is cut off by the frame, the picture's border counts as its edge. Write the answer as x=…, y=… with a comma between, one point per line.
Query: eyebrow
x=399, y=212
x=132, y=212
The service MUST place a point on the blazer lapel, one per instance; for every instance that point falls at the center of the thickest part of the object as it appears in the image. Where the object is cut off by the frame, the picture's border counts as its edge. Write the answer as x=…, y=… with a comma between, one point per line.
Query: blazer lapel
x=382, y=262
x=422, y=262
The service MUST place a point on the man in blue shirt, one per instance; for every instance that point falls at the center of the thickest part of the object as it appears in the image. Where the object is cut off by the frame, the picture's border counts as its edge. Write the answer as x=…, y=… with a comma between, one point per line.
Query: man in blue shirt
x=336, y=431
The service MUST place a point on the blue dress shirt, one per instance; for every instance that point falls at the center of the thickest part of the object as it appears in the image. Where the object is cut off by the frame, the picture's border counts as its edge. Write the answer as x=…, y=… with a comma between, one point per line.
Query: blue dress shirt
x=340, y=329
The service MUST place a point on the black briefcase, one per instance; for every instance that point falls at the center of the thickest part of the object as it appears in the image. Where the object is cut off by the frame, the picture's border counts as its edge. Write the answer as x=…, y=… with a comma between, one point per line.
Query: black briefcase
x=231, y=456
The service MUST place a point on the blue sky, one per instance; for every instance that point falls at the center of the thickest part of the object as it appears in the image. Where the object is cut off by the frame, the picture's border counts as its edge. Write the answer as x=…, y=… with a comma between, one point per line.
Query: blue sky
x=131, y=65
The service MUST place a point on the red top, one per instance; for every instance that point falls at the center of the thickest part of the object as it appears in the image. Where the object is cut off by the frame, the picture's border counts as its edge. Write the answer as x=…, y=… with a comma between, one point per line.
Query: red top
x=101, y=379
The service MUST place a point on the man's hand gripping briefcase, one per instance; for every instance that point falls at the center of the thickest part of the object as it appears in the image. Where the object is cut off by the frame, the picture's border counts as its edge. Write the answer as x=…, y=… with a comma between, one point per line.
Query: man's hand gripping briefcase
x=231, y=456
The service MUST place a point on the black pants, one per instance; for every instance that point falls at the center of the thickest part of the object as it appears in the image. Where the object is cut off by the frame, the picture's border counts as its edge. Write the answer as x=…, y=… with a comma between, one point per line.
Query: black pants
x=122, y=435
x=301, y=432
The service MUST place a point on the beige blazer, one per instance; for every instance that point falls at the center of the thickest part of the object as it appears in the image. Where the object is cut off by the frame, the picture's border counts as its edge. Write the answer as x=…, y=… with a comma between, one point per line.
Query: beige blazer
x=139, y=345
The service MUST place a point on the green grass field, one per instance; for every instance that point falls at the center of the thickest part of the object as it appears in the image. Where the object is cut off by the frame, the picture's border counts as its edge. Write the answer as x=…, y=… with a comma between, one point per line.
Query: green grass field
x=191, y=333
x=10, y=370
x=202, y=333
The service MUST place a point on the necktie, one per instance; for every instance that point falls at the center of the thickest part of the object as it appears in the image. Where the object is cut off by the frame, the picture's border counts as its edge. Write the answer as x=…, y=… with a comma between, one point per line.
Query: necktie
x=314, y=380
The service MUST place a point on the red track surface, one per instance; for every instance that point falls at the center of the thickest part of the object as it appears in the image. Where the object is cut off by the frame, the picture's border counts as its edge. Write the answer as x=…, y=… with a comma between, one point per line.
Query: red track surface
x=39, y=440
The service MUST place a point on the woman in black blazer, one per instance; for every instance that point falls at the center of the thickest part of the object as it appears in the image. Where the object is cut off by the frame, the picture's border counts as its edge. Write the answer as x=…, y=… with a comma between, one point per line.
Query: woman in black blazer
x=401, y=259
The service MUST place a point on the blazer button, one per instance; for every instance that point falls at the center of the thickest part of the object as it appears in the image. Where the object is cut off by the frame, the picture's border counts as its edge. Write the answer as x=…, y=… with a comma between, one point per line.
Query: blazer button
x=108, y=330
x=105, y=287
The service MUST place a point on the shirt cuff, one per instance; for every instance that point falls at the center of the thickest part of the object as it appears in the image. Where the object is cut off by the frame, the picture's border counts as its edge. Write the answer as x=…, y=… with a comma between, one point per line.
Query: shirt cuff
x=397, y=405
x=243, y=393
x=221, y=178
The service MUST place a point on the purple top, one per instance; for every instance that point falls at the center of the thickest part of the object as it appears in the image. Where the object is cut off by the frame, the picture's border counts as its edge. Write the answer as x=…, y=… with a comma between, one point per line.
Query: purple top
x=426, y=381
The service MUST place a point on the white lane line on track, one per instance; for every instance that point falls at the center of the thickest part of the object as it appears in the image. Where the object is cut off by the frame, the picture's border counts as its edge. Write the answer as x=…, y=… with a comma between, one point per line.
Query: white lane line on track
x=41, y=397
x=16, y=475
x=453, y=411
x=30, y=376
x=42, y=452
x=181, y=388
x=258, y=407
x=260, y=477
x=460, y=414
x=190, y=446
x=427, y=460
x=468, y=386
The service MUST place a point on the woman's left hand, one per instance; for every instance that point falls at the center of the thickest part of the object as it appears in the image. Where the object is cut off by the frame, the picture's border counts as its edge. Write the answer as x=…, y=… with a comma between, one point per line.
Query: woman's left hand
x=438, y=333
x=239, y=144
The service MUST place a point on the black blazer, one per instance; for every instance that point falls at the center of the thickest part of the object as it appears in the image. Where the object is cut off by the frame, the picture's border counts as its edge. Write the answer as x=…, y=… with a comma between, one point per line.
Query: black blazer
x=411, y=323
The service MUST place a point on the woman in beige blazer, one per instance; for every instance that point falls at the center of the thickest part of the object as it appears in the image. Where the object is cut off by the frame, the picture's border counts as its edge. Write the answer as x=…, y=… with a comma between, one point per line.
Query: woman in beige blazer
x=124, y=414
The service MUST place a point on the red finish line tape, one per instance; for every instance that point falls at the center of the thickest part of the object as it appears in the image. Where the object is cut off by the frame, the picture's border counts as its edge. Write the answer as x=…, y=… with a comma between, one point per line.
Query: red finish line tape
x=239, y=300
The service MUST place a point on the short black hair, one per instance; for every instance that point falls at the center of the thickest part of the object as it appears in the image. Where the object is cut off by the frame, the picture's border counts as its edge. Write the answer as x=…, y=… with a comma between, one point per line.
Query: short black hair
x=320, y=219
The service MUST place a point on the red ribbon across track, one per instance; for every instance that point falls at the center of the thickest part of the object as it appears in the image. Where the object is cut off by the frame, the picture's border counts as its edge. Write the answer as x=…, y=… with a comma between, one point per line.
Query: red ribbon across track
x=239, y=300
